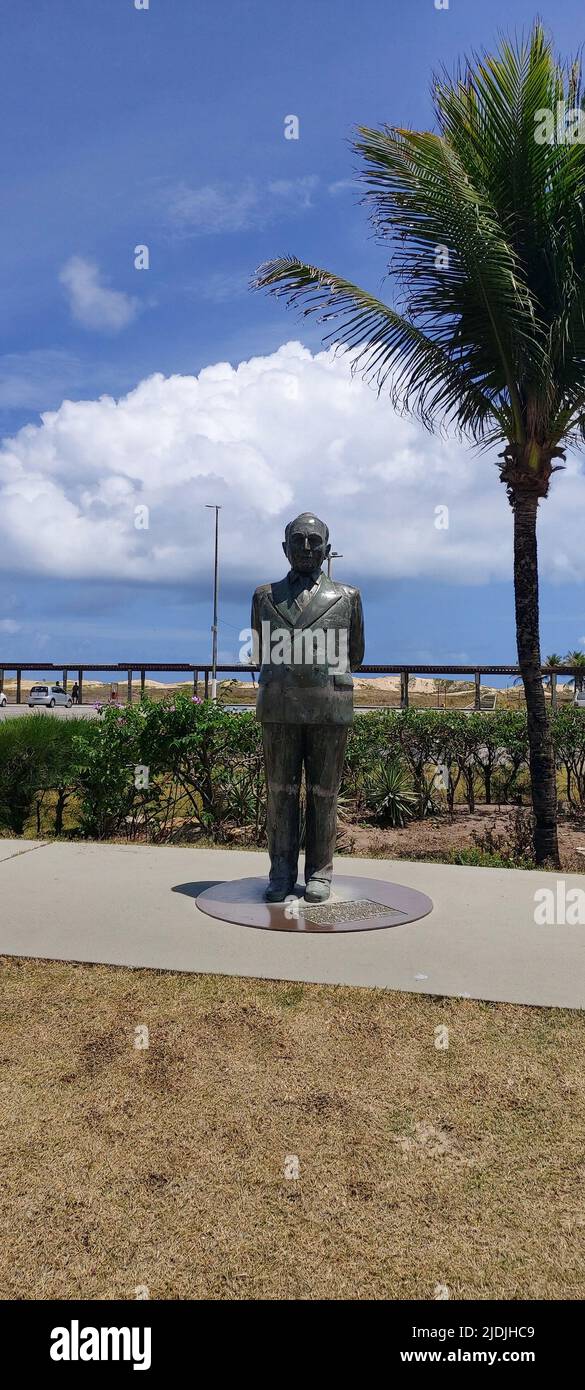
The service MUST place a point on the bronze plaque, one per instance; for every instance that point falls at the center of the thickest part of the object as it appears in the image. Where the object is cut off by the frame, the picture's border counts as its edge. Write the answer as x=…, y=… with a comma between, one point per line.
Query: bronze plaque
x=331, y=914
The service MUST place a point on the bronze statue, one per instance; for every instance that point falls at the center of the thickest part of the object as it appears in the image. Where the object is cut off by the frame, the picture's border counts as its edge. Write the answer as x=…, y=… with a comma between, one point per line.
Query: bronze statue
x=308, y=638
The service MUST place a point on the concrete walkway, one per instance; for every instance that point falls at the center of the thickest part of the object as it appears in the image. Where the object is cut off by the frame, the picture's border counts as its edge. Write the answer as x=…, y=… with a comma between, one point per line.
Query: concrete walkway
x=134, y=905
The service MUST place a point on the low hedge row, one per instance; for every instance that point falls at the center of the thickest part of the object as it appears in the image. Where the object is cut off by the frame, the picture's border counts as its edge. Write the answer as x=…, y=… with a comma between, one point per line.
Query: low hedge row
x=174, y=768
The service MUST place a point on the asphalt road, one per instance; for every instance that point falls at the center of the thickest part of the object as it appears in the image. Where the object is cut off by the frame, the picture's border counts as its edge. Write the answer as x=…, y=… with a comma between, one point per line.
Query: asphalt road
x=59, y=712
x=90, y=712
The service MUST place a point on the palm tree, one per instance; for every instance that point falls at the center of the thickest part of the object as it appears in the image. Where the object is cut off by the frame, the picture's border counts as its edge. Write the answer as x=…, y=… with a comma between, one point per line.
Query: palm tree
x=577, y=658
x=554, y=663
x=486, y=221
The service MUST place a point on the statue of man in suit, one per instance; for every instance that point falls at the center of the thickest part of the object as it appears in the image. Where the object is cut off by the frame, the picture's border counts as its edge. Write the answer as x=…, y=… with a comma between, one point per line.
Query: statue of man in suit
x=308, y=637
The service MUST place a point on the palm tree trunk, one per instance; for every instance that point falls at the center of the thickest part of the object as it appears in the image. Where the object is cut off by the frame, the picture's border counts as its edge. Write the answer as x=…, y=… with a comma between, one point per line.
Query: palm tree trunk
x=541, y=755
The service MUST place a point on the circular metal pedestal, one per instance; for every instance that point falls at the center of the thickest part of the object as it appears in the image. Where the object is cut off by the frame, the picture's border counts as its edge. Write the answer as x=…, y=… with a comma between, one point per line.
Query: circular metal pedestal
x=355, y=904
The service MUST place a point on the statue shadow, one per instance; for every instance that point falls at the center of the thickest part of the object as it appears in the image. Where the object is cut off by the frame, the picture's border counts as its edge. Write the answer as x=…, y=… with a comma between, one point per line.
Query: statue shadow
x=192, y=890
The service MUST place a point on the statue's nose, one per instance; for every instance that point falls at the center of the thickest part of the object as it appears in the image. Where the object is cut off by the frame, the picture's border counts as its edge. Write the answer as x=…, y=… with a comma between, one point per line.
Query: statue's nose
x=307, y=546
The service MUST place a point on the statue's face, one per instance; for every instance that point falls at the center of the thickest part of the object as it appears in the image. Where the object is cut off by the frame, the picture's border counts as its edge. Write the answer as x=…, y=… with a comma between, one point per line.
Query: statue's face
x=306, y=546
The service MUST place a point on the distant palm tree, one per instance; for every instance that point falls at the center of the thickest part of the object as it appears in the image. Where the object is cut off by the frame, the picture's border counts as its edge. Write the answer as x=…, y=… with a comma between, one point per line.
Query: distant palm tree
x=486, y=217
x=577, y=658
x=554, y=661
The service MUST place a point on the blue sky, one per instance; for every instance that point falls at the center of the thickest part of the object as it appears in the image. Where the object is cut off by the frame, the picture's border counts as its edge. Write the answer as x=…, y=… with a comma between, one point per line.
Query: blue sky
x=164, y=127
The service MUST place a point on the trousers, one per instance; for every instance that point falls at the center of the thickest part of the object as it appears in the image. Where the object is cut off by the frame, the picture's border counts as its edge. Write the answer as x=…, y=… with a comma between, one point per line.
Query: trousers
x=320, y=748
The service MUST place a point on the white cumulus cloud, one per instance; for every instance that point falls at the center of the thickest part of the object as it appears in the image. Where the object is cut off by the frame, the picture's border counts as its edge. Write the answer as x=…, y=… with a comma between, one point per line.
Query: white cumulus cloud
x=92, y=303
x=117, y=489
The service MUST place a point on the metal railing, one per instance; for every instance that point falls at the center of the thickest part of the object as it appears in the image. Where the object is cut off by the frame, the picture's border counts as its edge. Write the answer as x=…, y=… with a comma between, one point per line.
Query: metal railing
x=403, y=669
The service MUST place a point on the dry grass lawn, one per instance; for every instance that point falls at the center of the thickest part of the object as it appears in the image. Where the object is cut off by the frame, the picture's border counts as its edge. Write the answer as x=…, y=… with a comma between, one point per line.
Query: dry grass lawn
x=165, y=1167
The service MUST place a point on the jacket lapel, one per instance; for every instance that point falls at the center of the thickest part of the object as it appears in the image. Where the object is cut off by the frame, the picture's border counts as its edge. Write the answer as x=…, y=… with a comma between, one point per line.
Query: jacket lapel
x=283, y=601
x=324, y=597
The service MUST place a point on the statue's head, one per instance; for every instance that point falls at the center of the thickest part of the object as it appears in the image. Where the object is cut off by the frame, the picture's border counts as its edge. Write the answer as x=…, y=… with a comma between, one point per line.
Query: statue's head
x=306, y=542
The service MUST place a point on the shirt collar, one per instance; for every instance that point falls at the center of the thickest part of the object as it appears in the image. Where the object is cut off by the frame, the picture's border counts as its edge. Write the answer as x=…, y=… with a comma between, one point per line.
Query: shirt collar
x=307, y=579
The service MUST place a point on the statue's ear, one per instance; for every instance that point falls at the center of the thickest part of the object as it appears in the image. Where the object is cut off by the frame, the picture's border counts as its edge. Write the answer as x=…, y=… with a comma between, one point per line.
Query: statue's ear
x=285, y=549
x=327, y=551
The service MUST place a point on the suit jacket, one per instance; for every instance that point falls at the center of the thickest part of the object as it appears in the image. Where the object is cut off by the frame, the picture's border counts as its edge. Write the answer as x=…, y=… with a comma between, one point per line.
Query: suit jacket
x=307, y=655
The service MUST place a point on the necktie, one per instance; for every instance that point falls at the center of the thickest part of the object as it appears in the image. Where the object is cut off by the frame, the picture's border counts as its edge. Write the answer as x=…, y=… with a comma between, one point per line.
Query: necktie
x=303, y=589
x=303, y=597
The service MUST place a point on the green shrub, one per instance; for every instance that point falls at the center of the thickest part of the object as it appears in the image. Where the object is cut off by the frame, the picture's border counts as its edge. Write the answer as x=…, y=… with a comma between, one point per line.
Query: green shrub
x=569, y=742
x=36, y=757
x=483, y=859
x=205, y=769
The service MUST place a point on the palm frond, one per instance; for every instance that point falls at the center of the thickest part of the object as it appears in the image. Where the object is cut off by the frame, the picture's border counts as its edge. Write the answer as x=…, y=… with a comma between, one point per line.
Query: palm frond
x=386, y=347
x=484, y=223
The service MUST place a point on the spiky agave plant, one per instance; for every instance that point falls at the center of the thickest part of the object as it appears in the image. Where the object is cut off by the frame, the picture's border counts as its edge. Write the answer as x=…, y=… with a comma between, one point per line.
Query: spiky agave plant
x=389, y=793
x=485, y=220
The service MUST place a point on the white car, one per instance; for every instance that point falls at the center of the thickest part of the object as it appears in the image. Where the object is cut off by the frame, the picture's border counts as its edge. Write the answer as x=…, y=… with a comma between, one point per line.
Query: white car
x=2, y=699
x=49, y=695
x=579, y=701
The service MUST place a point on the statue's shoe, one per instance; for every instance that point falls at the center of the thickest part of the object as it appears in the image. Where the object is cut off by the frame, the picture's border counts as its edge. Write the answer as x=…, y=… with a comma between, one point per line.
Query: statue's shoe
x=277, y=894
x=317, y=890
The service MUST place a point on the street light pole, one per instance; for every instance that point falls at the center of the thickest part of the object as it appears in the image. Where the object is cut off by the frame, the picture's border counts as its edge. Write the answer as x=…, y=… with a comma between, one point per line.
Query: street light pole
x=334, y=555
x=212, y=506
